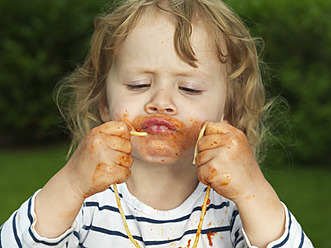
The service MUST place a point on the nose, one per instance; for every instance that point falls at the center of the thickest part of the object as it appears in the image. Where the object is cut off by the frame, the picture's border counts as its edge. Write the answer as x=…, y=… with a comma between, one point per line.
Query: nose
x=161, y=103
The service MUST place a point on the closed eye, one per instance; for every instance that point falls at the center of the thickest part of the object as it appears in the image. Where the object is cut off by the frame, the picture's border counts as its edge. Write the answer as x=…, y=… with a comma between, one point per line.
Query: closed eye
x=190, y=91
x=137, y=86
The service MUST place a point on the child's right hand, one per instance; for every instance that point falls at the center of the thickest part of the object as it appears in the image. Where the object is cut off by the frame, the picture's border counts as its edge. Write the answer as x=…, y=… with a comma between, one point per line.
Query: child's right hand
x=102, y=158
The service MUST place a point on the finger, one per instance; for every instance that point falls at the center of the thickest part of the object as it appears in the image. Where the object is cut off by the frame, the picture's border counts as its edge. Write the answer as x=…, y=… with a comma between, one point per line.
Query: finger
x=219, y=128
x=204, y=174
x=208, y=173
x=211, y=141
x=123, y=176
x=118, y=174
x=123, y=159
x=204, y=157
x=204, y=123
x=116, y=128
x=204, y=181
x=107, y=174
x=117, y=157
x=118, y=144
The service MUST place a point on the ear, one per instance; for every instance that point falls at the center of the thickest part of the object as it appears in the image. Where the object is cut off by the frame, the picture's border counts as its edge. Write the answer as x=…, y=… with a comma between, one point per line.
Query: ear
x=104, y=108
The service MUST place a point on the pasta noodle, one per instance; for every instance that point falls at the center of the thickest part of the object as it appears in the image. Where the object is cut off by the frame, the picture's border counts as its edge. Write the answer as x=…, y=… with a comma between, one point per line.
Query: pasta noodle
x=140, y=134
x=202, y=216
x=204, y=205
x=205, y=201
x=123, y=217
x=202, y=131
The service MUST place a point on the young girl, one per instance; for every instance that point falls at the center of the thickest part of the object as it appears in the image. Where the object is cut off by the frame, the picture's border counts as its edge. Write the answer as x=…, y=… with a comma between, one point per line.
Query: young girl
x=163, y=69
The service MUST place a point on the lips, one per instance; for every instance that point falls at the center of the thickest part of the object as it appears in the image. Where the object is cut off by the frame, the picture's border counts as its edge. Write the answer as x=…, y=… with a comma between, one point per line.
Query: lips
x=158, y=125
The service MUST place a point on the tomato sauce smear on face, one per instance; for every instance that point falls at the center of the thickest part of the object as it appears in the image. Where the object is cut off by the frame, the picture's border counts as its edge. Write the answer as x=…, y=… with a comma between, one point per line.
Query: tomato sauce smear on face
x=167, y=136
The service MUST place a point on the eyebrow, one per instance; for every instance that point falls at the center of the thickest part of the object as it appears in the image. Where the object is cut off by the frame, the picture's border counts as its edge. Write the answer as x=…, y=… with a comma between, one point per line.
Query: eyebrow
x=194, y=72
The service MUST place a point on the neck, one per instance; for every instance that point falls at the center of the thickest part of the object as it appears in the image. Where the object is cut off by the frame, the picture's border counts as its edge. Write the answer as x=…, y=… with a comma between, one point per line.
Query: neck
x=153, y=183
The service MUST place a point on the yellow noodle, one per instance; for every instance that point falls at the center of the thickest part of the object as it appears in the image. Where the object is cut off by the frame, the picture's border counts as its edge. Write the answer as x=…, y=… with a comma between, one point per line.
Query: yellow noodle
x=205, y=201
x=140, y=134
x=202, y=131
x=203, y=213
x=123, y=217
x=133, y=133
x=204, y=206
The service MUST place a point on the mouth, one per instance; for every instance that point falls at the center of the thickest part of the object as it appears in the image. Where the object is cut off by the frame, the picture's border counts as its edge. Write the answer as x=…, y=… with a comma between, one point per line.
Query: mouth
x=158, y=125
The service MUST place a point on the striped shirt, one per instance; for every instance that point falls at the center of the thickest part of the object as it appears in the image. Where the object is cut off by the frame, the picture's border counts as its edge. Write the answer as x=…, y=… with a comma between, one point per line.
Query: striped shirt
x=99, y=224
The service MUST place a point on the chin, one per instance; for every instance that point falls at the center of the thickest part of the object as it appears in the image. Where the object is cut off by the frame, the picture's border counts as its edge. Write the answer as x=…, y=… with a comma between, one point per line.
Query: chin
x=163, y=157
x=160, y=160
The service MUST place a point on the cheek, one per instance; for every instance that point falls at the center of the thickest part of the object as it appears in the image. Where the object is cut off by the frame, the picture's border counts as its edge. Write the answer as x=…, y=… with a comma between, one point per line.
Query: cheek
x=121, y=111
x=120, y=107
x=120, y=114
x=209, y=108
x=213, y=111
x=188, y=136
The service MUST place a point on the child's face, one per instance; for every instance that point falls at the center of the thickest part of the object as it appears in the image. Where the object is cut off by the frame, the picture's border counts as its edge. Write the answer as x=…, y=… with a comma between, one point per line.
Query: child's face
x=153, y=90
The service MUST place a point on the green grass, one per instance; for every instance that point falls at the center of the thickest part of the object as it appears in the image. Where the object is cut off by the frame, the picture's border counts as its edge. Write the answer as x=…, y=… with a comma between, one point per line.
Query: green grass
x=306, y=191
x=25, y=171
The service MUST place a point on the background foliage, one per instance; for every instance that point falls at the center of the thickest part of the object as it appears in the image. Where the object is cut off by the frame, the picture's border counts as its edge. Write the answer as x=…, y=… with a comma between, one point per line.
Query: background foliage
x=297, y=37
x=41, y=41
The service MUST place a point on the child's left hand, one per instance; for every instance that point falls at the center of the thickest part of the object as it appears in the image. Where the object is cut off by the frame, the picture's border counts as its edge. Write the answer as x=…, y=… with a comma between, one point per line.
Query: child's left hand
x=227, y=163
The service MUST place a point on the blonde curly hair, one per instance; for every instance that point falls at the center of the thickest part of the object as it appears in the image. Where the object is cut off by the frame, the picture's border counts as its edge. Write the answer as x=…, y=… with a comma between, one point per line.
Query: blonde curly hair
x=78, y=95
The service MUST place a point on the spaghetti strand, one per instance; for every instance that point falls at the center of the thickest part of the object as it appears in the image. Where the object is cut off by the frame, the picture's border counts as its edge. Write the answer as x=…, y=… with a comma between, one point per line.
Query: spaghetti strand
x=205, y=201
x=118, y=200
x=204, y=205
x=203, y=213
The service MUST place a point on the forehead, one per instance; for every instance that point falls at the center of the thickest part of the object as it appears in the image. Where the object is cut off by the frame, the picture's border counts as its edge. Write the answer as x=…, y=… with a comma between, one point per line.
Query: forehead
x=153, y=35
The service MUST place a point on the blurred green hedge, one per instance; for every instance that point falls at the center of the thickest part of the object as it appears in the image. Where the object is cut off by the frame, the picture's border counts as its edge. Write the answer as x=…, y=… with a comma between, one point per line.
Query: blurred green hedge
x=297, y=37
x=41, y=41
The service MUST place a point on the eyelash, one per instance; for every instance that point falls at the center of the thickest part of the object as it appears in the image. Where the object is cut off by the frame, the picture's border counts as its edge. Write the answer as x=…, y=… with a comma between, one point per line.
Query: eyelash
x=137, y=86
x=189, y=91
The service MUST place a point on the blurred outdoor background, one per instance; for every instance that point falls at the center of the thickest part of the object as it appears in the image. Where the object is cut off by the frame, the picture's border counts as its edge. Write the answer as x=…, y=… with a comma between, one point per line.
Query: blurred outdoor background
x=41, y=41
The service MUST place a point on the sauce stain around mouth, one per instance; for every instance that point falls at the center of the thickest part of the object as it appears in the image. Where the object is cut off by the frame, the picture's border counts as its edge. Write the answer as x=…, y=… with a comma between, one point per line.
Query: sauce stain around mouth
x=167, y=136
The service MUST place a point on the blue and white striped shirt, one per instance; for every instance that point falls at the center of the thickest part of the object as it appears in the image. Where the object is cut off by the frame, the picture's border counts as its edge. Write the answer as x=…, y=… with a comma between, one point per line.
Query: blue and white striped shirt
x=99, y=224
